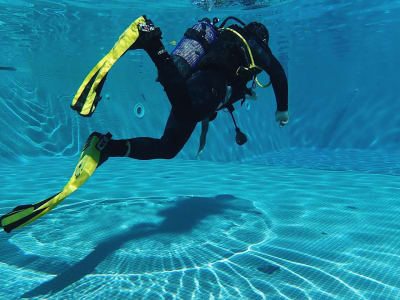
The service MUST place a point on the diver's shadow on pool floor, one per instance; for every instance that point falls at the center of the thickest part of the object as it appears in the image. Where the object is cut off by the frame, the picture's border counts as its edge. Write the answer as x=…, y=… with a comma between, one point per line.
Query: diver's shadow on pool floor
x=181, y=218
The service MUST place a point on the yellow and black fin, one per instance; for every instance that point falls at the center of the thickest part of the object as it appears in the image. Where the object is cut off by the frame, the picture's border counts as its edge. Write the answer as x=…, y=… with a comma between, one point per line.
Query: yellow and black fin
x=89, y=160
x=88, y=95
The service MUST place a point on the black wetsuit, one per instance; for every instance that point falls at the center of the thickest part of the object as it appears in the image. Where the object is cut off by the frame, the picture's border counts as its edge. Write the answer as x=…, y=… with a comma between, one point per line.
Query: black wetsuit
x=198, y=97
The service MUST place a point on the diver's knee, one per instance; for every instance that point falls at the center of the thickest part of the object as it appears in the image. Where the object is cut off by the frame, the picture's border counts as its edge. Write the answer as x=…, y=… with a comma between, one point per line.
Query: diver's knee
x=171, y=148
x=171, y=154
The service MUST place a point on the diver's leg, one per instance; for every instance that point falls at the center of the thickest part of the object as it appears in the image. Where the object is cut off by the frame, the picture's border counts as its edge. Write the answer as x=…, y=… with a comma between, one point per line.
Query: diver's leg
x=172, y=80
x=168, y=74
x=207, y=89
x=175, y=136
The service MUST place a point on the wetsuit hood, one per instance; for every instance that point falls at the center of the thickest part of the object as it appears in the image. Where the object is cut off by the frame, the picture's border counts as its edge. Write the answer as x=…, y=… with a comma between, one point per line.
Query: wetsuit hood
x=257, y=31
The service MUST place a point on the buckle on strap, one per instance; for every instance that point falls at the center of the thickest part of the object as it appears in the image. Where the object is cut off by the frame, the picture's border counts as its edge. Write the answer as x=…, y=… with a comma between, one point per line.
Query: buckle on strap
x=146, y=27
x=103, y=141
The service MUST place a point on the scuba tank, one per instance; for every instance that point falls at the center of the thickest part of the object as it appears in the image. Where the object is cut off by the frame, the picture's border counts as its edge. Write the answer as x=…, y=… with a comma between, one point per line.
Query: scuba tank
x=194, y=45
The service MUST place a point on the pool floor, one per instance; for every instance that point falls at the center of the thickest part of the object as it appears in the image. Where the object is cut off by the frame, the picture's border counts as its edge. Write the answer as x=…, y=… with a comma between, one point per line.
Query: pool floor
x=202, y=230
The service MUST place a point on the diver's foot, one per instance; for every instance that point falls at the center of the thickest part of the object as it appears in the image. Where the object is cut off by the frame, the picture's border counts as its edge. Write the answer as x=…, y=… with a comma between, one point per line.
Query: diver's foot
x=148, y=35
x=103, y=140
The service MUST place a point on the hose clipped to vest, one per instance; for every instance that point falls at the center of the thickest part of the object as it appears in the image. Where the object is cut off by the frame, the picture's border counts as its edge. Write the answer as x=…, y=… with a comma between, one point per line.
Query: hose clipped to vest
x=252, y=65
x=240, y=138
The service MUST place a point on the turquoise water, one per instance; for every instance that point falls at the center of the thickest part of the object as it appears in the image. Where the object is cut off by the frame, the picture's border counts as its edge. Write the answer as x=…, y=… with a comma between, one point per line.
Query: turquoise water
x=181, y=229
x=309, y=211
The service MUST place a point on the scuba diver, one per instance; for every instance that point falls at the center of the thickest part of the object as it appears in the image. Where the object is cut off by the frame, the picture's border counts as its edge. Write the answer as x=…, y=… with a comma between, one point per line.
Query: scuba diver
x=198, y=86
x=207, y=71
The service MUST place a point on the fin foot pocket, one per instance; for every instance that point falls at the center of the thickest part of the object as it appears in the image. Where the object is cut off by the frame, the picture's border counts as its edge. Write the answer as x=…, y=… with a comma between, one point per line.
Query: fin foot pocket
x=147, y=33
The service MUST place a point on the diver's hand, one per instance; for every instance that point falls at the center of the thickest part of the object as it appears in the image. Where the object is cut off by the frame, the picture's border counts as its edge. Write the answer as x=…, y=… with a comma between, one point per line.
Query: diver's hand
x=282, y=117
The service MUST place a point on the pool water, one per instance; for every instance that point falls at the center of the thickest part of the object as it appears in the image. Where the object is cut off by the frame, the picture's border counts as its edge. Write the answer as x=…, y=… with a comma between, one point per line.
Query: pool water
x=308, y=211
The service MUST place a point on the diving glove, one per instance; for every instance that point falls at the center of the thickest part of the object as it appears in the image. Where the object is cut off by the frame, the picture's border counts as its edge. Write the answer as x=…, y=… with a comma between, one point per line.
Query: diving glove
x=282, y=117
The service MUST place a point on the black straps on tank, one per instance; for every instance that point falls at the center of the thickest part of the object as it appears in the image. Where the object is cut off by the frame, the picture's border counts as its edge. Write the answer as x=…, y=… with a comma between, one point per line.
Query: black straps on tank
x=198, y=36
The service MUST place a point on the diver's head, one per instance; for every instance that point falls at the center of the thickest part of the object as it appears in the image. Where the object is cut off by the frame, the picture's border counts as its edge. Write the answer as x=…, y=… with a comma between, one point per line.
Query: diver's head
x=257, y=32
x=257, y=37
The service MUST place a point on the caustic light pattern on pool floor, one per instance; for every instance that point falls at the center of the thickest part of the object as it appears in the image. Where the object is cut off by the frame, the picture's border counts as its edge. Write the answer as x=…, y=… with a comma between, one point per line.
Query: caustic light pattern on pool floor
x=201, y=230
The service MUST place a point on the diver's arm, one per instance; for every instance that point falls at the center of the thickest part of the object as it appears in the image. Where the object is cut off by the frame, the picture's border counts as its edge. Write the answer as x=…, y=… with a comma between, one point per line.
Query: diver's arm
x=278, y=80
x=280, y=85
x=267, y=61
